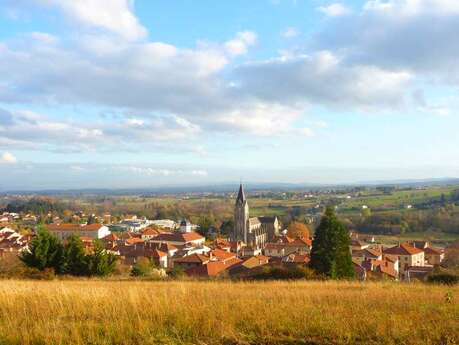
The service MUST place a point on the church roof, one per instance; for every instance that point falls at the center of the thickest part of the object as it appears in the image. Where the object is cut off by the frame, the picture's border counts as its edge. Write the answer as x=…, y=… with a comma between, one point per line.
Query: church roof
x=241, y=195
x=267, y=219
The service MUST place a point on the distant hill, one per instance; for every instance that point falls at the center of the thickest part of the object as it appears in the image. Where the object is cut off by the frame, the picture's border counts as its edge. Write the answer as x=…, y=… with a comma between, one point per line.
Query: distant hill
x=231, y=187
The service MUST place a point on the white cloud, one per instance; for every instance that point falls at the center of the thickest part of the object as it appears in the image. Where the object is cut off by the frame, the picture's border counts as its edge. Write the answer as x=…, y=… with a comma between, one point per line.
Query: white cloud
x=335, y=10
x=412, y=35
x=114, y=16
x=306, y=132
x=261, y=119
x=44, y=37
x=8, y=158
x=408, y=8
x=290, y=33
x=308, y=78
x=202, y=173
x=32, y=131
x=241, y=43
x=135, y=122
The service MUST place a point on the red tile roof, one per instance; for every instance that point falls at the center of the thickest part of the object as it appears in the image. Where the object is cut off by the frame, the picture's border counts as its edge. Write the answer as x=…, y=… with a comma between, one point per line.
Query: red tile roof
x=403, y=249
x=211, y=269
x=222, y=254
x=193, y=259
x=381, y=266
x=433, y=251
x=178, y=237
x=150, y=232
x=111, y=237
x=134, y=240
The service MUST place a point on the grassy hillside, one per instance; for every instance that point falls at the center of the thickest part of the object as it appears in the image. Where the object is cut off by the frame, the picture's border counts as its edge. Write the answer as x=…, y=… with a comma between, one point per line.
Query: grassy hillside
x=109, y=312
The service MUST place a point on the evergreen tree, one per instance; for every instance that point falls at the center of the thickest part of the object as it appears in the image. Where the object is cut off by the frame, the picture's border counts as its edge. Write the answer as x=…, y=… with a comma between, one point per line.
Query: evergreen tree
x=101, y=263
x=330, y=253
x=76, y=261
x=45, y=251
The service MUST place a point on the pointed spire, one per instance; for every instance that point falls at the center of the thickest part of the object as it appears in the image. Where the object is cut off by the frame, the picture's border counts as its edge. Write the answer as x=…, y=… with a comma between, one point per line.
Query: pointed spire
x=240, y=195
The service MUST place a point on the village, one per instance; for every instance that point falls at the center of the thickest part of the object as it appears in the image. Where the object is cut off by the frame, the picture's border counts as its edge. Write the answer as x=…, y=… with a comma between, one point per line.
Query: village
x=255, y=244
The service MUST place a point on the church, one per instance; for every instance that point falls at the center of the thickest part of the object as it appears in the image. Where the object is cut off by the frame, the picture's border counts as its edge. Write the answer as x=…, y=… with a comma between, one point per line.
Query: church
x=255, y=232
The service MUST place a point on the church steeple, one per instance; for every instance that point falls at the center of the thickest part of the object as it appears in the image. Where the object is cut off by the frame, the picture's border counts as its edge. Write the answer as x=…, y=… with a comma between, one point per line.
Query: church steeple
x=241, y=216
x=241, y=195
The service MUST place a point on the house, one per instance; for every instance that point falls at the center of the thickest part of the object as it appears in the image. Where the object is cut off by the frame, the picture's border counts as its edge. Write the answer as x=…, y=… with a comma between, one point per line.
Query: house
x=419, y=244
x=192, y=260
x=133, y=253
x=149, y=233
x=211, y=269
x=131, y=224
x=63, y=231
x=246, y=267
x=367, y=254
x=433, y=256
x=248, y=251
x=380, y=268
x=417, y=272
x=296, y=259
x=275, y=250
x=286, y=246
x=110, y=241
x=12, y=241
x=222, y=244
x=408, y=256
x=179, y=239
x=358, y=245
x=227, y=258
x=166, y=224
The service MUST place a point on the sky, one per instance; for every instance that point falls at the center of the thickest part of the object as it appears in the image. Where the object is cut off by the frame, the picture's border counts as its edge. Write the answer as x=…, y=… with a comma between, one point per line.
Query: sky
x=147, y=93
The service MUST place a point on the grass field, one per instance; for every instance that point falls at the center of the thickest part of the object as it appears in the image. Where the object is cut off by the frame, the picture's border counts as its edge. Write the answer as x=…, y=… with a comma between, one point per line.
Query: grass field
x=133, y=312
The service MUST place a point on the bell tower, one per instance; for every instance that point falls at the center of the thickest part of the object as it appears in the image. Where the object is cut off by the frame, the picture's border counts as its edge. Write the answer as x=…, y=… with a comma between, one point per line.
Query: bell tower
x=241, y=216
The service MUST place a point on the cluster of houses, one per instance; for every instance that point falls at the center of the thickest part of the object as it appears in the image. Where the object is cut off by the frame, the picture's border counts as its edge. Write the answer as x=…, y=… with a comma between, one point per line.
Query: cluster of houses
x=11, y=241
x=188, y=250
x=405, y=261
x=255, y=242
x=12, y=217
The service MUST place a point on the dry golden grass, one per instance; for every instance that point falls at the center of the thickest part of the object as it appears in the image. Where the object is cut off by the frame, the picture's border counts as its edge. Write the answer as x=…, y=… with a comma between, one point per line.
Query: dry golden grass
x=135, y=312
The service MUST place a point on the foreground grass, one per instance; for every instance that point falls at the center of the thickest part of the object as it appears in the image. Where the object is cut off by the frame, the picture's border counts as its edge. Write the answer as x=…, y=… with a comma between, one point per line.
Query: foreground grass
x=112, y=312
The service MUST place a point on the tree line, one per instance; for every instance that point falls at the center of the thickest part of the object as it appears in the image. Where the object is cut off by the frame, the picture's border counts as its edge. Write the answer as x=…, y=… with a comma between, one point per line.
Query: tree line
x=47, y=252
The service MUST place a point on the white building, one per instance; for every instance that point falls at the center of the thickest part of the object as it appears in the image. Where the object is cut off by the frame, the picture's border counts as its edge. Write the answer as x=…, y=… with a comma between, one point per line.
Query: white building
x=63, y=231
x=165, y=223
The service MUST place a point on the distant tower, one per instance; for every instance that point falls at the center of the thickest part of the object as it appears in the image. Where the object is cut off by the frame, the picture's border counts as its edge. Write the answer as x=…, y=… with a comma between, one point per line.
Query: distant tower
x=241, y=216
x=185, y=226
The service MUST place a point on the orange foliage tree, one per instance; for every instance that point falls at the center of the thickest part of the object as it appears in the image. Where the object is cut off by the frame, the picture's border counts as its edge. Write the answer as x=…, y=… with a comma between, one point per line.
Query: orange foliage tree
x=296, y=229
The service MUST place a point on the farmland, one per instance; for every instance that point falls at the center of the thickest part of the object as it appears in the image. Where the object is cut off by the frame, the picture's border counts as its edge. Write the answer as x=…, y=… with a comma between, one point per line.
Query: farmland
x=222, y=312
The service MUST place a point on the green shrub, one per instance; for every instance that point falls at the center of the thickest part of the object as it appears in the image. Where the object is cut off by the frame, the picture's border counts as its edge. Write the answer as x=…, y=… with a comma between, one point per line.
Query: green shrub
x=284, y=273
x=142, y=268
x=443, y=278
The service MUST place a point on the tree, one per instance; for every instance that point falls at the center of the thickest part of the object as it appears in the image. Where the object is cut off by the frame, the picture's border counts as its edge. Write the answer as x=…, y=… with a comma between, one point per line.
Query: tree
x=330, y=253
x=296, y=229
x=205, y=224
x=76, y=260
x=227, y=227
x=91, y=219
x=142, y=268
x=45, y=251
x=101, y=263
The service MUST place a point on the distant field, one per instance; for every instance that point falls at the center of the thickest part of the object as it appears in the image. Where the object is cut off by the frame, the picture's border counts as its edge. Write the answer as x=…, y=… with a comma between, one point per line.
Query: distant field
x=441, y=239
x=111, y=312
x=401, y=198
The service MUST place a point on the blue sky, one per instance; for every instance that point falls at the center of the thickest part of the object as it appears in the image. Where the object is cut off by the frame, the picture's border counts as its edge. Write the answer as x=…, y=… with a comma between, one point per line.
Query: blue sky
x=119, y=93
